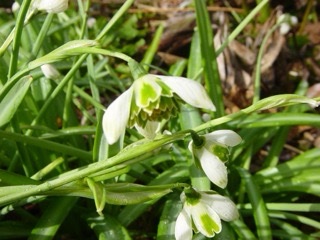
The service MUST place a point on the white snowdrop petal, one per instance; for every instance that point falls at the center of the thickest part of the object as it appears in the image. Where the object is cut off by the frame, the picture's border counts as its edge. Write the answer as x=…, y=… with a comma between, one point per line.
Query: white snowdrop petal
x=183, y=228
x=49, y=71
x=189, y=91
x=51, y=6
x=116, y=117
x=225, y=137
x=213, y=167
x=205, y=219
x=223, y=206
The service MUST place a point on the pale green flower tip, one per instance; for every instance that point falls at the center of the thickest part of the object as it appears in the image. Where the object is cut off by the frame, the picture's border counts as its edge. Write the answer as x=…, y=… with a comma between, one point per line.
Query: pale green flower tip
x=51, y=6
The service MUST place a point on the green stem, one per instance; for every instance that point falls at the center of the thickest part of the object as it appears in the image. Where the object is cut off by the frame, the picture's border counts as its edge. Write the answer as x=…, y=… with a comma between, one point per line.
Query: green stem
x=17, y=37
x=115, y=18
x=42, y=34
x=264, y=104
x=257, y=79
x=132, y=152
x=80, y=173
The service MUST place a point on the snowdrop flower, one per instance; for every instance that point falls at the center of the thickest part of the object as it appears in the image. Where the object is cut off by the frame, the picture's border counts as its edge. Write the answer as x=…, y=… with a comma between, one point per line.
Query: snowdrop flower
x=286, y=22
x=51, y=6
x=211, y=151
x=150, y=99
x=15, y=7
x=202, y=212
x=91, y=22
x=49, y=71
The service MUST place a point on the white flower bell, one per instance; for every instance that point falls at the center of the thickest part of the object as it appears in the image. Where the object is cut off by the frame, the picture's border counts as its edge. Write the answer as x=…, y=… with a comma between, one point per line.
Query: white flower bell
x=286, y=21
x=202, y=212
x=150, y=99
x=49, y=71
x=15, y=7
x=51, y=6
x=211, y=150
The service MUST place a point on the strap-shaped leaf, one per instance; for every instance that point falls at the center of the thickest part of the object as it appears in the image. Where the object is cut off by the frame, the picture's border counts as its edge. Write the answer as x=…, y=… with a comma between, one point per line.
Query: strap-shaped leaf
x=99, y=194
x=127, y=193
x=13, y=98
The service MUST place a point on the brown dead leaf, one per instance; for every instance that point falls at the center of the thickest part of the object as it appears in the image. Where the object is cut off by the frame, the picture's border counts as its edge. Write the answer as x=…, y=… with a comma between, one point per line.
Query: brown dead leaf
x=168, y=58
x=272, y=52
x=312, y=31
x=243, y=52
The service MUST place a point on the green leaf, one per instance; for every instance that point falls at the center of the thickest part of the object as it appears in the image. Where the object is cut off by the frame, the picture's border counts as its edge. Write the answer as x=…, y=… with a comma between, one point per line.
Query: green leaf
x=127, y=193
x=108, y=228
x=168, y=218
x=69, y=49
x=99, y=194
x=13, y=99
x=52, y=218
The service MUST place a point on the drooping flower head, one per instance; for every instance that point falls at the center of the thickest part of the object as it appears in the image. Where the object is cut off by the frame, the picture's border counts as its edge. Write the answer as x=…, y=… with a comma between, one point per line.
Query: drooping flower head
x=202, y=212
x=51, y=6
x=286, y=22
x=49, y=71
x=211, y=151
x=150, y=99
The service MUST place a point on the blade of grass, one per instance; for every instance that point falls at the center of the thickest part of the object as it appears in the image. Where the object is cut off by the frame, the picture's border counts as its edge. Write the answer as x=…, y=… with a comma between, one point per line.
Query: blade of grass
x=17, y=37
x=52, y=218
x=152, y=49
x=212, y=77
x=260, y=212
x=53, y=146
x=242, y=25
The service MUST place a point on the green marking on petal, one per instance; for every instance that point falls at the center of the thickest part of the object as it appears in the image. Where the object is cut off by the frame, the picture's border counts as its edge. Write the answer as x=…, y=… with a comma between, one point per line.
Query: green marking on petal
x=146, y=92
x=210, y=226
x=221, y=152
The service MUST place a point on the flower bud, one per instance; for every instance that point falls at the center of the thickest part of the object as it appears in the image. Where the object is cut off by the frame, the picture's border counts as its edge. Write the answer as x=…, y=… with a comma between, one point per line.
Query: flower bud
x=51, y=6
x=49, y=71
x=15, y=7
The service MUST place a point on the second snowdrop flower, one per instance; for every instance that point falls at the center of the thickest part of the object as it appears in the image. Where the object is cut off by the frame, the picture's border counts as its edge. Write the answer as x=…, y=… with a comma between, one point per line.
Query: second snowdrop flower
x=51, y=6
x=211, y=151
x=202, y=212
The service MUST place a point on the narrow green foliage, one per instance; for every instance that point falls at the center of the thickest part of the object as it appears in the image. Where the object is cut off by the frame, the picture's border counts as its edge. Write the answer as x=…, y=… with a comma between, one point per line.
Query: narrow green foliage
x=12, y=100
